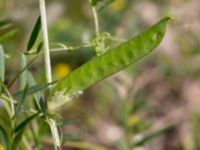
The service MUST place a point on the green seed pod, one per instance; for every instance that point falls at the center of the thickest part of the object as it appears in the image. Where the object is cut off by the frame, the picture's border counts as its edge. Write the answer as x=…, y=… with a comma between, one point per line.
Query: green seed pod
x=110, y=62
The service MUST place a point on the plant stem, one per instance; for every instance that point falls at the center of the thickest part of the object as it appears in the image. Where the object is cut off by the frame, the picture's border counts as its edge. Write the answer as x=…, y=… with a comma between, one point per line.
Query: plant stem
x=64, y=48
x=100, y=45
x=46, y=41
x=52, y=123
x=54, y=131
x=71, y=48
x=12, y=109
x=96, y=21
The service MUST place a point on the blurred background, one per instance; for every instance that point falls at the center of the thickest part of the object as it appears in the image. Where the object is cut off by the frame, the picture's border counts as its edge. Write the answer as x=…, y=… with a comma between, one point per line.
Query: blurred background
x=153, y=105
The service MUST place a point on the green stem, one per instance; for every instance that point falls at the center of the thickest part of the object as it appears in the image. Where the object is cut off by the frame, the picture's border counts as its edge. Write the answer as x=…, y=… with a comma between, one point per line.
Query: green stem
x=52, y=123
x=64, y=48
x=100, y=47
x=46, y=41
x=71, y=47
x=96, y=21
x=54, y=131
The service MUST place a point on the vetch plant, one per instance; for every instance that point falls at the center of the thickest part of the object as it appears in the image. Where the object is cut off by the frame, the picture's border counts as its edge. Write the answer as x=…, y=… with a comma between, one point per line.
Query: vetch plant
x=50, y=97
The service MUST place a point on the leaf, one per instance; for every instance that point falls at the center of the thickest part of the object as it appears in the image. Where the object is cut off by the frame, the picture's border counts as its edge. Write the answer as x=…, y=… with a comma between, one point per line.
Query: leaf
x=35, y=51
x=3, y=21
x=3, y=137
x=104, y=4
x=69, y=137
x=7, y=99
x=6, y=26
x=2, y=64
x=23, y=124
x=23, y=75
x=34, y=34
x=17, y=139
x=111, y=62
x=21, y=100
x=100, y=4
x=153, y=135
x=21, y=71
x=7, y=96
x=39, y=47
x=37, y=95
x=8, y=35
x=95, y=2
x=34, y=89
x=68, y=122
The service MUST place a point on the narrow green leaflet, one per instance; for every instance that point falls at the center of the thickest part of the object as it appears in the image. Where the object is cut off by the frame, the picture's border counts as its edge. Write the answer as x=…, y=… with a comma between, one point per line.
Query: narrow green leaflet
x=152, y=135
x=17, y=139
x=23, y=75
x=7, y=99
x=3, y=137
x=23, y=124
x=6, y=96
x=21, y=100
x=100, y=4
x=94, y=2
x=39, y=47
x=5, y=27
x=2, y=64
x=37, y=95
x=104, y=4
x=21, y=71
x=5, y=24
x=107, y=64
x=3, y=21
x=35, y=51
x=34, y=89
x=69, y=137
x=7, y=36
x=23, y=84
x=68, y=122
x=19, y=130
x=34, y=34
